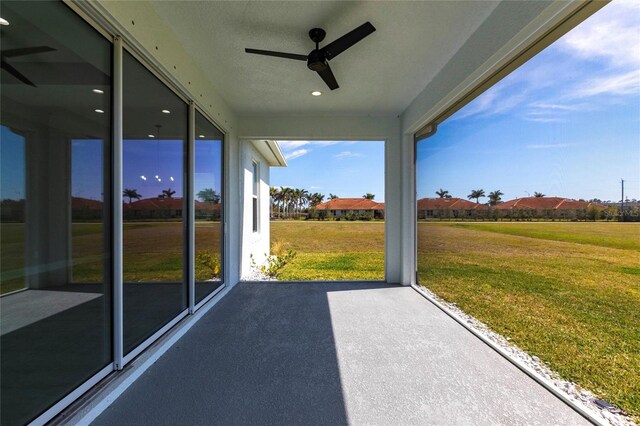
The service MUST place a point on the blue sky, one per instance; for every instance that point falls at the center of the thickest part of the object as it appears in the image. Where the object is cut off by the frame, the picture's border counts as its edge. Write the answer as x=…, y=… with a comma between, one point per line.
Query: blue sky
x=143, y=160
x=566, y=123
x=343, y=168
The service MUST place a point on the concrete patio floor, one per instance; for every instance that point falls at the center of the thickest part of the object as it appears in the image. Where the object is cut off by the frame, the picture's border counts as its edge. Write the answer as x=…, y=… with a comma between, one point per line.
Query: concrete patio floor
x=332, y=353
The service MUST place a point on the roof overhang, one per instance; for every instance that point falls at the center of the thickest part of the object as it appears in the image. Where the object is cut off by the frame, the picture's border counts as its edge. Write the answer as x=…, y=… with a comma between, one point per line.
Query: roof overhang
x=270, y=150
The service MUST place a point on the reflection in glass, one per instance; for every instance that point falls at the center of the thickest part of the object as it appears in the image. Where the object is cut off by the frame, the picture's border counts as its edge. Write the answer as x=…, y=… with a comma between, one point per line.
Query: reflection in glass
x=208, y=207
x=55, y=303
x=155, y=131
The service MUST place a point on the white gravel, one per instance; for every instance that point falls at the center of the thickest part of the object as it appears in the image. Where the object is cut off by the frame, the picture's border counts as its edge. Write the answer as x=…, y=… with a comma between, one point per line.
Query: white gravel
x=611, y=415
x=255, y=275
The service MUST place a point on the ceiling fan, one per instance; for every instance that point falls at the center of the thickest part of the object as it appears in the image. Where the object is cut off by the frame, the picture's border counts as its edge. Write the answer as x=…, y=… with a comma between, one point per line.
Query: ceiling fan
x=317, y=58
x=12, y=53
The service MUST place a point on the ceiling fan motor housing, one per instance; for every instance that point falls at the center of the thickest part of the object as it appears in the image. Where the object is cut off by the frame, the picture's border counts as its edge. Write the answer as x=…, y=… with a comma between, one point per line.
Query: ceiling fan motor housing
x=317, y=61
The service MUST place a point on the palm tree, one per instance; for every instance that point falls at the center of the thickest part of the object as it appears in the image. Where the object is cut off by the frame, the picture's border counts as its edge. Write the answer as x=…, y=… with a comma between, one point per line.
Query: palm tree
x=476, y=194
x=131, y=194
x=315, y=199
x=287, y=199
x=303, y=199
x=332, y=196
x=208, y=195
x=494, y=197
x=273, y=194
x=369, y=196
x=538, y=194
x=167, y=193
x=443, y=193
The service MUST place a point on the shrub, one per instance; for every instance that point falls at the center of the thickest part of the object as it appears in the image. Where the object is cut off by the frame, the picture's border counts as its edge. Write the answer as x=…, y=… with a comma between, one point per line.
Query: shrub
x=207, y=265
x=277, y=260
x=366, y=216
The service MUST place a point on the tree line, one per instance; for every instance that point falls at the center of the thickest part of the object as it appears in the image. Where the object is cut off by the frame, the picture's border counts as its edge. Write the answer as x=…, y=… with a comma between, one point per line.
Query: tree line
x=207, y=195
x=287, y=202
x=495, y=197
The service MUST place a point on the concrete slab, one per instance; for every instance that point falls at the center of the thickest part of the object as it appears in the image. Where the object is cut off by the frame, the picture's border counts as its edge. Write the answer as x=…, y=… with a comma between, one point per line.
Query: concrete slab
x=333, y=353
x=30, y=306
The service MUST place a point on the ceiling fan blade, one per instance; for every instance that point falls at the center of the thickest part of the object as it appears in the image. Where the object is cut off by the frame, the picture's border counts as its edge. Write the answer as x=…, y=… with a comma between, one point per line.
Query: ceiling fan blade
x=328, y=77
x=17, y=74
x=338, y=46
x=26, y=51
x=277, y=54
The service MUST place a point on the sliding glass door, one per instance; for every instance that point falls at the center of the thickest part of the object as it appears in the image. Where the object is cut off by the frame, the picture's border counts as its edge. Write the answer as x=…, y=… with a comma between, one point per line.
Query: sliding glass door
x=153, y=176
x=58, y=239
x=208, y=207
x=55, y=132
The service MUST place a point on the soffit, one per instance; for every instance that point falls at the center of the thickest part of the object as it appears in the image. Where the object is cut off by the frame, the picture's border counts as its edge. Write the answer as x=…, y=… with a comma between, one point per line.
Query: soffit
x=380, y=75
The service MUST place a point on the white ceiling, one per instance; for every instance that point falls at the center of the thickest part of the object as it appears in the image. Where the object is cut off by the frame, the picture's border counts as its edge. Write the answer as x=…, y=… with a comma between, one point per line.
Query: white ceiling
x=380, y=75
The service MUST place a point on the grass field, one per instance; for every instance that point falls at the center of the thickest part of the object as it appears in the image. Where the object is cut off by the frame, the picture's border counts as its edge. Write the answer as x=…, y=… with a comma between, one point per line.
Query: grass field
x=152, y=252
x=332, y=250
x=568, y=293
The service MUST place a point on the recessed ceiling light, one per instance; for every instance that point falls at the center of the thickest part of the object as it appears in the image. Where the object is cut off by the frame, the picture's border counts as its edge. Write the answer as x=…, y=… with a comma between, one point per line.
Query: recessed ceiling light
x=166, y=111
x=99, y=111
x=4, y=22
x=151, y=136
x=316, y=93
x=201, y=136
x=98, y=91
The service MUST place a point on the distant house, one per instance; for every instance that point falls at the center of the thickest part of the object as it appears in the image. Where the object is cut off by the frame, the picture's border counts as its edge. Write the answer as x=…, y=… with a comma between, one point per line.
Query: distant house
x=548, y=207
x=448, y=208
x=520, y=208
x=340, y=207
x=168, y=208
x=86, y=209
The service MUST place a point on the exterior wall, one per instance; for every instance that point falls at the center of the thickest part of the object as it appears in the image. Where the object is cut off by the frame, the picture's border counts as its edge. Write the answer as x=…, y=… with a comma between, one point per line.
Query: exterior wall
x=254, y=244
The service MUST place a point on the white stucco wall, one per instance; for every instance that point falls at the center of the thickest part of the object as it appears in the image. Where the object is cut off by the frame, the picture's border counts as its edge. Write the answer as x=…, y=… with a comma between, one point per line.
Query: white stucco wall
x=254, y=244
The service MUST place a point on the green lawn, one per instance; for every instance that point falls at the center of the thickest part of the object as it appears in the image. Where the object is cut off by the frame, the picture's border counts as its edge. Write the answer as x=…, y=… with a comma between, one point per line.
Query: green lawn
x=328, y=250
x=152, y=252
x=568, y=293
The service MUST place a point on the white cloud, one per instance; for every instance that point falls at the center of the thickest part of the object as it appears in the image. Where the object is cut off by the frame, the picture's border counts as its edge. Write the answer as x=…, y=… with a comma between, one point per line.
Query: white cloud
x=610, y=34
x=556, y=106
x=627, y=83
x=290, y=145
x=546, y=119
x=600, y=57
x=551, y=146
x=295, y=154
x=347, y=154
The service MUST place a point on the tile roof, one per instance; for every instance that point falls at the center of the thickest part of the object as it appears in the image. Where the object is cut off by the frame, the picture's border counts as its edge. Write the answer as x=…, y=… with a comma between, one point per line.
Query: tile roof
x=545, y=203
x=448, y=203
x=167, y=204
x=350, y=204
x=78, y=203
x=156, y=204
